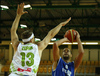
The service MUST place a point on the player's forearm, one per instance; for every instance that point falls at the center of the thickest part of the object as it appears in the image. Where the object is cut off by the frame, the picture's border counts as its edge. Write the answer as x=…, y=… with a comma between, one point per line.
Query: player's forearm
x=58, y=43
x=80, y=47
x=55, y=30
x=15, y=23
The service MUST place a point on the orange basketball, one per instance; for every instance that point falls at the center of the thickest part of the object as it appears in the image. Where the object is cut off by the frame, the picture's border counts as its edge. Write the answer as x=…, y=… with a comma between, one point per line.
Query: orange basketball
x=71, y=35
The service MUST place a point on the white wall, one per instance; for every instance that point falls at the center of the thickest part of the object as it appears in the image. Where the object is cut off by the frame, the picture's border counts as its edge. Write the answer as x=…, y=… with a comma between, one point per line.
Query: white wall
x=45, y=55
x=51, y=53
x=85, y=56
x=94, y=54
x=7, y=54
x=74, y=53
x=1, y=67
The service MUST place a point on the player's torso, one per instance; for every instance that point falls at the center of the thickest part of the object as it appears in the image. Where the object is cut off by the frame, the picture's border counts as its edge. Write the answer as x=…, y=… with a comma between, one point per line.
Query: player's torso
x=26, y=60
x=64, y=69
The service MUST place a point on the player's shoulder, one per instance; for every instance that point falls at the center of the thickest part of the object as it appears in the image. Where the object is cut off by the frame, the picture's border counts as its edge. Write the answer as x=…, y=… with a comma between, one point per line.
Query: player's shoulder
x=34, y=45
x=28, y=44
x=19, y=44
x=61, y=60
x=71, y=63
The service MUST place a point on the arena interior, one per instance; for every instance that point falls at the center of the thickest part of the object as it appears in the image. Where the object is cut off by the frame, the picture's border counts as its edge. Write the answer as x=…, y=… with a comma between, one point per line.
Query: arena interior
x=43, y=15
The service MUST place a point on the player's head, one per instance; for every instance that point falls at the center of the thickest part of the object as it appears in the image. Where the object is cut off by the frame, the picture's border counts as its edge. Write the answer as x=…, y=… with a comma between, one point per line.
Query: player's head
x=66, y=54
x=27, y=36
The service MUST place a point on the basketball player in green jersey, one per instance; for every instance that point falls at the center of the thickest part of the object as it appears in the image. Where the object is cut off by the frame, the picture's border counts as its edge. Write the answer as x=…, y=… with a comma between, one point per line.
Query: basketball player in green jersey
x=27, y=56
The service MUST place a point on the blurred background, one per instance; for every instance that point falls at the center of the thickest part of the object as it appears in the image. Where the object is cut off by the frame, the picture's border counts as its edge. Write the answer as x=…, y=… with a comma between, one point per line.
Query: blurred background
x=43, y=15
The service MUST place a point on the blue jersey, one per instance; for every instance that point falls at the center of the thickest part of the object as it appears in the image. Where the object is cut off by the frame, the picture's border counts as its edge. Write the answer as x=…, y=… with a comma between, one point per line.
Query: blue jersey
x=64, y=69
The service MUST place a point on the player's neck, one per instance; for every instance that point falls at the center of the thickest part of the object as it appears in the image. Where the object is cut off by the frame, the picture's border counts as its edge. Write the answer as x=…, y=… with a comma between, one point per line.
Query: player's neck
x=27, y=42
x=67, y=61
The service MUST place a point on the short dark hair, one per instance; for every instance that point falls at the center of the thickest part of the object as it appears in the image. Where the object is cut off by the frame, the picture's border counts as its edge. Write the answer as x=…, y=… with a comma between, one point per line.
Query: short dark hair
x=26, y=34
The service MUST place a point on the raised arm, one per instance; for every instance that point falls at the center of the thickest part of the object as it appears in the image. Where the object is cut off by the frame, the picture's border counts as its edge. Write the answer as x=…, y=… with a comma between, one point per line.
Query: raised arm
x=56, y=55
x=56, y=45
x=14, y=36
x=79, y=57
x=43, y=44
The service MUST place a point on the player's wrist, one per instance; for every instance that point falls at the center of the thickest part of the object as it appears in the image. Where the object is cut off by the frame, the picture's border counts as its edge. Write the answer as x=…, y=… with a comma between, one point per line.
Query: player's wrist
x=18, y=15
x=78, y=40
x=66, y=39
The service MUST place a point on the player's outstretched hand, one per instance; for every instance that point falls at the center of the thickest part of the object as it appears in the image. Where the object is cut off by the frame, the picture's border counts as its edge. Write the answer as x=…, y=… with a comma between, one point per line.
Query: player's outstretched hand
x=77, y=36
x=65, y=22
x=20, y=9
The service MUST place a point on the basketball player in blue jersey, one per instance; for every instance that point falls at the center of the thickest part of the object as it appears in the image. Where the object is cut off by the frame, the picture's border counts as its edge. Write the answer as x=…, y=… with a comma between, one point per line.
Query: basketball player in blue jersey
x=27, y=56
x=63, y=66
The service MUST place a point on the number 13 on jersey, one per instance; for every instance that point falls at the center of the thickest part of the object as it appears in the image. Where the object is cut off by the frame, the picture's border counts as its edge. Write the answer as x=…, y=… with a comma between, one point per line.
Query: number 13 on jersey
x=27, y=62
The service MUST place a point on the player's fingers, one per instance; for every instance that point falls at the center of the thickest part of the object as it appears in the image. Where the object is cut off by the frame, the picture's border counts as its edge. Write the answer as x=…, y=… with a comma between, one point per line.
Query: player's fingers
x=77, y=32
x=18, y=6
x=78, y=35
x=67, y=20
x=68, y=40
x=22, y=5
x=25, y=12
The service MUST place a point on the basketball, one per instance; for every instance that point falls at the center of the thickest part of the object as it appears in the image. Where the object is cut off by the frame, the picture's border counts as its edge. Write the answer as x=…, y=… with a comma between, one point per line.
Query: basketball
x=71, y=35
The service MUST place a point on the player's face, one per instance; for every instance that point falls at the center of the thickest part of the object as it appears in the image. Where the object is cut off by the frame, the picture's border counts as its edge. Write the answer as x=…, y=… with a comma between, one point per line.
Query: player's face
x=66, y=54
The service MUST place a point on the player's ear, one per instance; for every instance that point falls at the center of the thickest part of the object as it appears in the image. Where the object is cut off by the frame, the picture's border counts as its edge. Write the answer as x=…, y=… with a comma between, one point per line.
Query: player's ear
x=31, y=40
x=71, y=55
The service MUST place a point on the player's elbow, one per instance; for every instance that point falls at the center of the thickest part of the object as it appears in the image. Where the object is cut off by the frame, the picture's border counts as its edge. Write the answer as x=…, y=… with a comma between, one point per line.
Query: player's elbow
x=12, y=29
x=82, y=52
x=51, y=34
